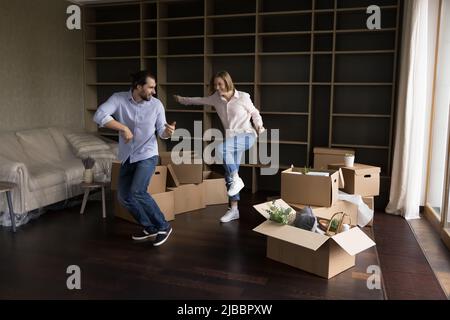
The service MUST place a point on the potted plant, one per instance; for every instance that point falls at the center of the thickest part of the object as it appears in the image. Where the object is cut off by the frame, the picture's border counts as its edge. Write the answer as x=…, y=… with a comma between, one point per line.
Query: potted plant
x=280, y=215
x=88, y=174
x=349, y=159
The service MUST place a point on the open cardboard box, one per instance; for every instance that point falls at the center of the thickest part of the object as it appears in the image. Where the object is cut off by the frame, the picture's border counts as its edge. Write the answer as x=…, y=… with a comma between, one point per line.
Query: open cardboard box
x=164, y=200
x=297, y=187
x=327, y=212
x=325, y=156
x=188, y=197
x=191, y=172
x=360, y=179
x=156, y=187
x=214, y=188
x=312, y=252
x=157, y=182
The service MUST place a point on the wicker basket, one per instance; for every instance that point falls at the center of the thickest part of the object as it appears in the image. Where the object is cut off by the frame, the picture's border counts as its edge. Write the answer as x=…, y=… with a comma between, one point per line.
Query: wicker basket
x=325, y=224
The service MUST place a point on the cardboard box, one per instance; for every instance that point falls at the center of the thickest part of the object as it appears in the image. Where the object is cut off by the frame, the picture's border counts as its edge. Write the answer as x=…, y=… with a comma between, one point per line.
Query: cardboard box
x=165, y=201
x=309, y=189
x=325, y=156
x=188, y=197
x=172, y=180
x=157, y=182
x=327, y=212
x=191, y=172
x=360, y=179
x=312, y=252
x=370, y=201
x=214, y=188
x=115, y=169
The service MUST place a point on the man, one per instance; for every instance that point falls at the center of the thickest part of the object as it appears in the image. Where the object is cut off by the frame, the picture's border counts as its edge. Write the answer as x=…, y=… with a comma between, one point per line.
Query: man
x=139, y=116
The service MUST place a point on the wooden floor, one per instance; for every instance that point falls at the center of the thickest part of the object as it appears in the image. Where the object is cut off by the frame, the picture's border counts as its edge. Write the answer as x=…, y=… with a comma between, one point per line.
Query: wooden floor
x=203, y=259
x=435, y=250
x=406, y=271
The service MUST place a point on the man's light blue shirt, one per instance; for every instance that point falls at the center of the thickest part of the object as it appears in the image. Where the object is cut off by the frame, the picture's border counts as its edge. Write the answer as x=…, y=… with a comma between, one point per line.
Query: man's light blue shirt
x=144, y=119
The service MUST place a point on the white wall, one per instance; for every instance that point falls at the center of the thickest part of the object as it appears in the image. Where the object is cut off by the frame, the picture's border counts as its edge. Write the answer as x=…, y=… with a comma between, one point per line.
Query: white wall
x=41, y=64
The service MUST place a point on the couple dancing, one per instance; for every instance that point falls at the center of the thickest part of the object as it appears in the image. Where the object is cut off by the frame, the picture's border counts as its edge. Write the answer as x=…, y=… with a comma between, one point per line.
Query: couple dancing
x=139, y=116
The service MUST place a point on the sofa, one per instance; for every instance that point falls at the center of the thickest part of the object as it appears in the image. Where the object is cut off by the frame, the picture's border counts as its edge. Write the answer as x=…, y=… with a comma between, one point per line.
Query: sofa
x=46, y=166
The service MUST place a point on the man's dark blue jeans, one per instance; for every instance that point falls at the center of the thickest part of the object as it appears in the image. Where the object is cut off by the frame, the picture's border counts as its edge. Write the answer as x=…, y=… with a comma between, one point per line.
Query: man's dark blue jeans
x=134, y=179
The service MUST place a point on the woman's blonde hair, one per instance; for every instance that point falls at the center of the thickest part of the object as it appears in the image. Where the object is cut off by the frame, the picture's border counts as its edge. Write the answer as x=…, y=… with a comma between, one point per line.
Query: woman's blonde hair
x=225, y=76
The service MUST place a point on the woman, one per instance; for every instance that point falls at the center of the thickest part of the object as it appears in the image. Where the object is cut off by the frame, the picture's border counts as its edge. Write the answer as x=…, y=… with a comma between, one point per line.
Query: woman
x=235, y=109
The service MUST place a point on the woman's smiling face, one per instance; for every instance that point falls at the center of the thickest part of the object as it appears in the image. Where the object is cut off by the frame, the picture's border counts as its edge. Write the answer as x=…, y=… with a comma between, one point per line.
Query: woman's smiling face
x=220, y=86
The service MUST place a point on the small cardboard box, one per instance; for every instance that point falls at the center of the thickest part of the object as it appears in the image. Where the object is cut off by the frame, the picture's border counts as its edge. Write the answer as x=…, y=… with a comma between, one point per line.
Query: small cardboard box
x=191, y=172
x=214, y=188
x=360, y=179
x=327, y=212
x=313, y=190
x=188, y=197
x=325, y=156
x=157, y=181
x=165, y=201
x=319, y=254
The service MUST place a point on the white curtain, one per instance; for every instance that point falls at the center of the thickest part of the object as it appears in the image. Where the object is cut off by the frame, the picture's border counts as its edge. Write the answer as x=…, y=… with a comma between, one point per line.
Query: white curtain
x=413, y=106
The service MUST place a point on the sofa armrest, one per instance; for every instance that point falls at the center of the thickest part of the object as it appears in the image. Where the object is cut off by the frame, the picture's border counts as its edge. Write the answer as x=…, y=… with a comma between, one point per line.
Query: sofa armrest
x=16, y=172
x=12, y=171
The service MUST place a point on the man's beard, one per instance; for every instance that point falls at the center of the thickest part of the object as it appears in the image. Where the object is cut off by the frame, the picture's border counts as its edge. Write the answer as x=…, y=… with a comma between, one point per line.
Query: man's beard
x=146, y=98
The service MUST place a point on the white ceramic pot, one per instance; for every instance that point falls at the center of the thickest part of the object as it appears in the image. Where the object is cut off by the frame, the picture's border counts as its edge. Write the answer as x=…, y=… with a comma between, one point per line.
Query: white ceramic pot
x=88, y=176
x=349, y=161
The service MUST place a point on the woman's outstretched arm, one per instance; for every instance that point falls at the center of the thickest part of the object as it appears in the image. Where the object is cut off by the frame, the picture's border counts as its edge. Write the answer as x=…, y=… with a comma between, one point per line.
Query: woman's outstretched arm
x=195, y=100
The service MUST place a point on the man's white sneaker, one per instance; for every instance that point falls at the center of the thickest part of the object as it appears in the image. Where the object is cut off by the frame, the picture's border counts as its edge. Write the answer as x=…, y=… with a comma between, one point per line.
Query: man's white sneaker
x=231, y=214
x=236, y=186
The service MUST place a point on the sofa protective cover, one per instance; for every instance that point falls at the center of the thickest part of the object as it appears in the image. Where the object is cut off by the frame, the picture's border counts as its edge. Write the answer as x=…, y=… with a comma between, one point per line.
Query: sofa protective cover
x=46, y=167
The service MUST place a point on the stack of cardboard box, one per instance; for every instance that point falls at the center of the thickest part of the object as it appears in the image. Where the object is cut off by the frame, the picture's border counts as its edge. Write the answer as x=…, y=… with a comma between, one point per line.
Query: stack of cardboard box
x=320, y=254
x=176, y=188
x=360, y=179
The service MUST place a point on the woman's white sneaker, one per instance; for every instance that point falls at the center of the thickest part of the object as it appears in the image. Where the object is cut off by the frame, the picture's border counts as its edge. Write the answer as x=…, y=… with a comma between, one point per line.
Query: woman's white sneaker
x=236, y=186
x=230, y=215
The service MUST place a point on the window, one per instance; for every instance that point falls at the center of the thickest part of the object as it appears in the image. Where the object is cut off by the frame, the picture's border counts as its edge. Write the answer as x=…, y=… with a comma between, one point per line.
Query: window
x=437, y=198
